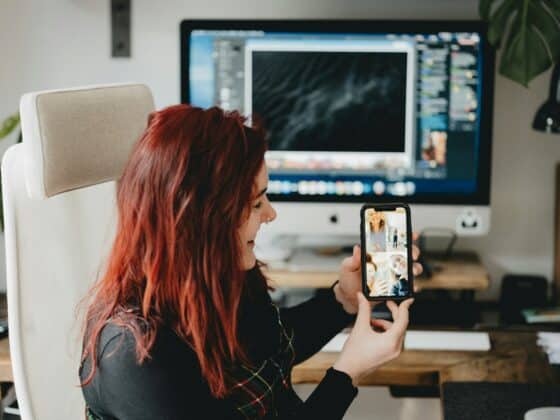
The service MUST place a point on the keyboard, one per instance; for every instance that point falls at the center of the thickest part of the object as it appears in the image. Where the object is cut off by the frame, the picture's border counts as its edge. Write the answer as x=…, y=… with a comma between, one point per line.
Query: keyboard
x=429, y=340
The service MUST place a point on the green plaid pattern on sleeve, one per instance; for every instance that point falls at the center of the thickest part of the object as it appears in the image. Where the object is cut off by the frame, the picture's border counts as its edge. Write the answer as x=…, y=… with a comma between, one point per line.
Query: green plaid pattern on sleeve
x=256, y=393
x=90, y=415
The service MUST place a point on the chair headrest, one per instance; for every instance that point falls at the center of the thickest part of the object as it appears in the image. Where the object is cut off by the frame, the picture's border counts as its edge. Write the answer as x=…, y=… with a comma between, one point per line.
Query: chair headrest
x=79, y=137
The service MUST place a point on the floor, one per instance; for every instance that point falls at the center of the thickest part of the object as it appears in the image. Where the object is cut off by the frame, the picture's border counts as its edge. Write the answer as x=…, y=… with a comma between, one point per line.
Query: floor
x=377, y=403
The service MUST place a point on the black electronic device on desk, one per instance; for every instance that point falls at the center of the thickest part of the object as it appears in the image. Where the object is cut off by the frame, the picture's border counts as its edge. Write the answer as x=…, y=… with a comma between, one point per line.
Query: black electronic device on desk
x=521, y=292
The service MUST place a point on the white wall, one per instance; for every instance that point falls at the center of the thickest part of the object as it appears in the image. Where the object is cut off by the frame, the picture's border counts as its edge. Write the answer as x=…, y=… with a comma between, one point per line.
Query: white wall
x=59, y=43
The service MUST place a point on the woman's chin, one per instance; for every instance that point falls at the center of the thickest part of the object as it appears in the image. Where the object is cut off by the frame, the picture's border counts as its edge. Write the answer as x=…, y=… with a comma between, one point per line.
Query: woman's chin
x=249, y=262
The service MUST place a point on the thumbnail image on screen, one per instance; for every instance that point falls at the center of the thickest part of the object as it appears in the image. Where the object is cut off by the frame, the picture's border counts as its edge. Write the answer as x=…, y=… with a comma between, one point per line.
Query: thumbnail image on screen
x=386, y=253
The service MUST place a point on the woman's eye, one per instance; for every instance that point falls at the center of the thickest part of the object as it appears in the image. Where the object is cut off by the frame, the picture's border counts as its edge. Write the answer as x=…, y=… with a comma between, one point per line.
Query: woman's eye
x=258, y=205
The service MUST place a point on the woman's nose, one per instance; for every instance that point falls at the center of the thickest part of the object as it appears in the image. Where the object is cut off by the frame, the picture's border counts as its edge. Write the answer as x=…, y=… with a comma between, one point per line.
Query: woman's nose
x=270, y=214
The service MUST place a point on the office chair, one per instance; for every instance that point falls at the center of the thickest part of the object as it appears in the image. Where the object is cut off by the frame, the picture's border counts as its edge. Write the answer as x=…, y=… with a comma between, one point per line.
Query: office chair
x=60, y=214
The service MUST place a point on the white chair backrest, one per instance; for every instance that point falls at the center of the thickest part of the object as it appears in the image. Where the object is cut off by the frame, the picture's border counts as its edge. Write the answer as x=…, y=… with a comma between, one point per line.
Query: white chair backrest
x=59, y=207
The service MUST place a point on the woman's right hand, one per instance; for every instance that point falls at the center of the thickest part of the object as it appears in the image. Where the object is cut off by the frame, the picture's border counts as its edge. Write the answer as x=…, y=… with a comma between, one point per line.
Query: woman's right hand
x=367, y=349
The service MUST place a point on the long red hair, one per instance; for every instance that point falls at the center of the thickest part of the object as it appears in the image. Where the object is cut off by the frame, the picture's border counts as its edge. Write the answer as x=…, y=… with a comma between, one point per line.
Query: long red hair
x=176, y=256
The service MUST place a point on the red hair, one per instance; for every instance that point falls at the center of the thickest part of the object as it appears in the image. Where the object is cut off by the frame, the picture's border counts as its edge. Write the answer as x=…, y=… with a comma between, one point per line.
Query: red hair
x=176, y=257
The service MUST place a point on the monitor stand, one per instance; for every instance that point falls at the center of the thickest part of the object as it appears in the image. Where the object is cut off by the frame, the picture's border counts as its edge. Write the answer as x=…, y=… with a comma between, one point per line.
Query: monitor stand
x=305, y=253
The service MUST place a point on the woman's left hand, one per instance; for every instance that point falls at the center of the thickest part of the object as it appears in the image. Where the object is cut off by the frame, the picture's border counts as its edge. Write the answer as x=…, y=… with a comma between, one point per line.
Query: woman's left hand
x=350, y=278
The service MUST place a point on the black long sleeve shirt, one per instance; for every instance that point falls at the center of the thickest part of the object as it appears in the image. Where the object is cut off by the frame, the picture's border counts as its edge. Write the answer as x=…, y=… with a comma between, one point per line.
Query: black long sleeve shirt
x=169, y=385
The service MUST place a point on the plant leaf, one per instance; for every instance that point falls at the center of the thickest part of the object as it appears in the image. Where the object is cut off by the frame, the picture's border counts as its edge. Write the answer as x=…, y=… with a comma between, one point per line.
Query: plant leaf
x=499, y=19
x=8, y=125
x=525, y=54
x=554, y=7
x=484, y=9
x=547, y=26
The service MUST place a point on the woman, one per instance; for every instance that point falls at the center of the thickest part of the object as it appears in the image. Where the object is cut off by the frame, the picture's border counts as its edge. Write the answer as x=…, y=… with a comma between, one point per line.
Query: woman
x=181, y=325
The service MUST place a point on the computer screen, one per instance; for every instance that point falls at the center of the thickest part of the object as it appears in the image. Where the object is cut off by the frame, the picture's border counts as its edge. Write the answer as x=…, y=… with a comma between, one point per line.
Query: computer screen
x=355, y=111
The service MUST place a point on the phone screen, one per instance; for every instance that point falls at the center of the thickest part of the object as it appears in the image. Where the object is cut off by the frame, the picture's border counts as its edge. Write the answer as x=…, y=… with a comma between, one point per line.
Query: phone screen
x=386, y=260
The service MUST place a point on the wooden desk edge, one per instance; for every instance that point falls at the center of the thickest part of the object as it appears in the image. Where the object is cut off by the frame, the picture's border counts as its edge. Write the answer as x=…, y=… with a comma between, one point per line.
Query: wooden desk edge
x=6, y=374
x=285, y=278
x=514, y=357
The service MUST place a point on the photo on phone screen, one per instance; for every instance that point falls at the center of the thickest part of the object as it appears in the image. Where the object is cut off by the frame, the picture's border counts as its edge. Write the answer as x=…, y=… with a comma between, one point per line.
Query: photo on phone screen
x=386, y=258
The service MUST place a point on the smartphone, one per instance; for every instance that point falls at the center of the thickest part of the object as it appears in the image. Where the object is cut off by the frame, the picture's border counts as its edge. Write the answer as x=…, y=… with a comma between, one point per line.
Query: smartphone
x=386, y=237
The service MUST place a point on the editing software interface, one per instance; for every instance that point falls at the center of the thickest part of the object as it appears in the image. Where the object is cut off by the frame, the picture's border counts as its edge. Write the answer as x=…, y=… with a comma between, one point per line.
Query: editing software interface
x=351, y=114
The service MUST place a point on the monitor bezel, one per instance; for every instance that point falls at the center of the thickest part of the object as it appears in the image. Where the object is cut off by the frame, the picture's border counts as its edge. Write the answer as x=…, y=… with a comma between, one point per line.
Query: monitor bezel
x=482, y=194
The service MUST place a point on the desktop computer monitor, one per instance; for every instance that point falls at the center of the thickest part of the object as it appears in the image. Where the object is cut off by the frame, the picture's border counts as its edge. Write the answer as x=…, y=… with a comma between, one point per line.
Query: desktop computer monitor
x=356, y=111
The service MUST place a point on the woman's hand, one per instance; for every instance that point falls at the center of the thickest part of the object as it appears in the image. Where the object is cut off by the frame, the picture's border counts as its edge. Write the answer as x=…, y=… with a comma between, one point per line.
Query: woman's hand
x=366, y=348
x=350, y=278
x=349, y=281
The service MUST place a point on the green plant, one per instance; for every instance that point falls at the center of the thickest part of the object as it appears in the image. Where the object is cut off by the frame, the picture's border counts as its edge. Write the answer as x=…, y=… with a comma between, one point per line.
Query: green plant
x=528, y=31
x=7, y=127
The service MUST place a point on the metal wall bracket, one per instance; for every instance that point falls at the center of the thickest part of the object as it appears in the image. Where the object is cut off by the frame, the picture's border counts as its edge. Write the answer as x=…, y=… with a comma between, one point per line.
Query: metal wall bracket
x=120, y=28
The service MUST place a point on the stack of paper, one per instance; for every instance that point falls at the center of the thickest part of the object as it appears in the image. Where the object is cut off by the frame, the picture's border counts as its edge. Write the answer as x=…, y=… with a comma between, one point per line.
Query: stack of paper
x=542, y=314
x=550, y=342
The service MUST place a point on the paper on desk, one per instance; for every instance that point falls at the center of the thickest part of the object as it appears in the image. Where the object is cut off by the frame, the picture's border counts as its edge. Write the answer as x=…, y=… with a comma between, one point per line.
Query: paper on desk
x=550, y=342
